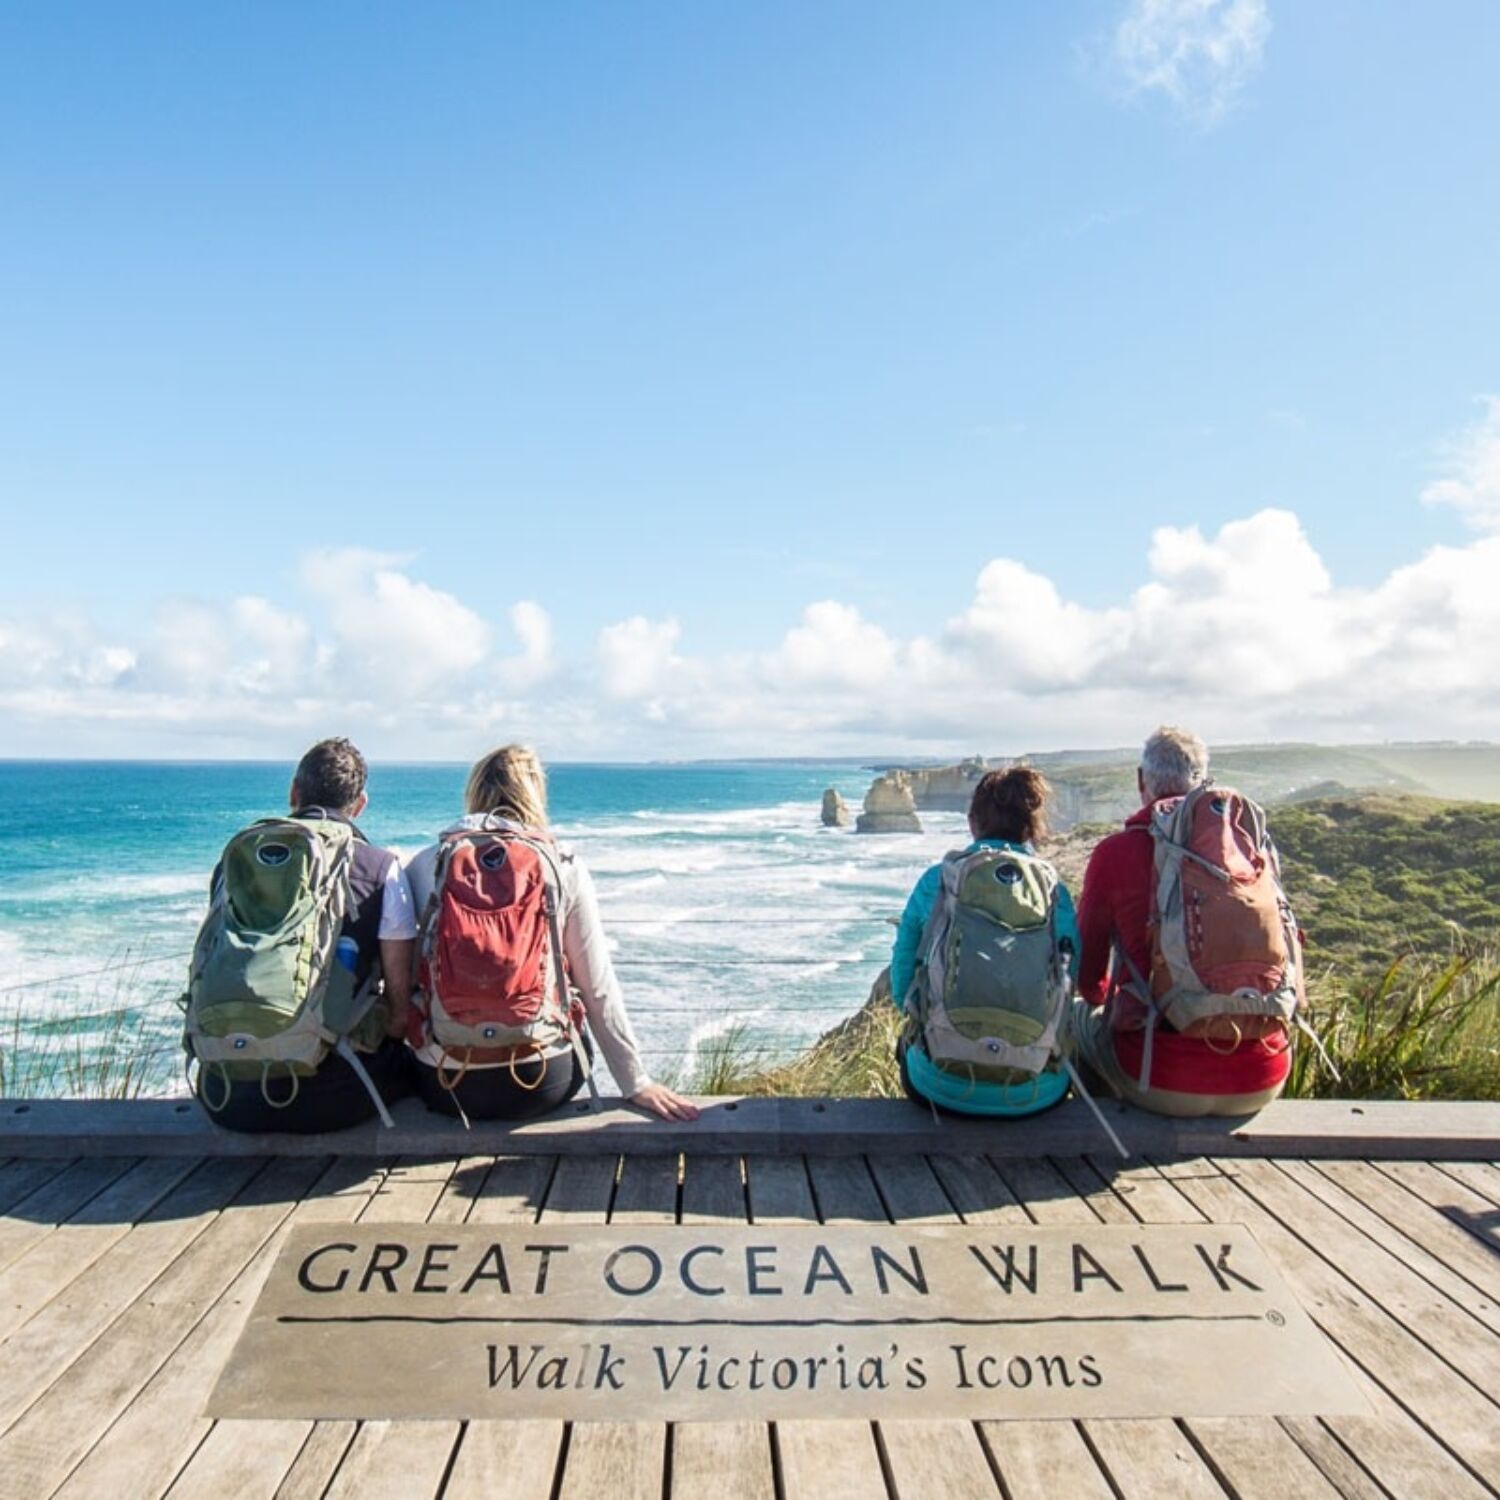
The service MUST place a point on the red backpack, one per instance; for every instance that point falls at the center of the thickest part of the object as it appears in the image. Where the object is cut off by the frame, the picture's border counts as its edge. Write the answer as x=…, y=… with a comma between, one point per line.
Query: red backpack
x=492, y=982
x=1226, y=954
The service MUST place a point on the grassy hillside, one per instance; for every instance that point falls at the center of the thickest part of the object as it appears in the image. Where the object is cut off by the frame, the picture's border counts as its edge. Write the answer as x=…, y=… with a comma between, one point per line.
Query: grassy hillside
x=1376, y=877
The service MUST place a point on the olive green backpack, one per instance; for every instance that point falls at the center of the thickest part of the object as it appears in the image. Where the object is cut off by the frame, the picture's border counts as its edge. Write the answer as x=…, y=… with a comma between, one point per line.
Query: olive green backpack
x=268, y=997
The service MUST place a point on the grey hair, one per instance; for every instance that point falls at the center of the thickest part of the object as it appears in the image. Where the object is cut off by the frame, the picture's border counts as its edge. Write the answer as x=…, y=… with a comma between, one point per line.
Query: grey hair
x=1173, y=762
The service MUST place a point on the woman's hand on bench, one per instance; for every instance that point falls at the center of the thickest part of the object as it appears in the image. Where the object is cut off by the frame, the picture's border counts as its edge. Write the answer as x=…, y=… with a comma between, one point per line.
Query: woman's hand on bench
x=660, y=1100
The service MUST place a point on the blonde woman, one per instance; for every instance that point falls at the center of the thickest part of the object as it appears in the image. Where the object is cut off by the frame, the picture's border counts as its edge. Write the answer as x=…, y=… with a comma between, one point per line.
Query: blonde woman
x=492, y=1033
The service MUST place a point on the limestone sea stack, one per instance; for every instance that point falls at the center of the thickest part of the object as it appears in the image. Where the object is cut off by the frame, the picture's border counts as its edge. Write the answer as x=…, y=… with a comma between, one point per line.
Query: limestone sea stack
x=889, y=807
x=835, y=810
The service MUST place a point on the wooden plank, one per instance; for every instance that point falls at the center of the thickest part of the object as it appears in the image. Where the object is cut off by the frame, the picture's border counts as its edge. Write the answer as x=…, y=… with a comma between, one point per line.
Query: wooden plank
x=778, y=1190
x=462, y=1190
x=910, y=1191
x=1461, y=1205
x=647, y=1191
x=1416, y=1234
x=320, y=1457
x=1044, y=1458
x=1046, y=1195
x=20, y=1178
x=56, y=1200
x=1333, y=1460
x=1149, y=1458
x=624, y=1460
x=518, y=1458
x=978, y=1193
x=1257, y=1460
x=819, y=1459
x=937, y=1460
x=1480, y=1177
x=424, y=1190
x=722, y=1460
x=845, y=1191
x=48, y=1343
x=1441, y=1403
x=1429, y=1316
x=713, y=1192
x=582, y=1189
x=394, y=1461
x=515, y=1190
x=409, y=1190
x=158, y=1436
x=42, y=1448
x=31, y=1281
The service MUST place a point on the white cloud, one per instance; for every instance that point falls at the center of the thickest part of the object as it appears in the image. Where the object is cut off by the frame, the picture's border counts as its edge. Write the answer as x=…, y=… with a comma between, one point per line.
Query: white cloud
x=1242, y=630
x=1472, y=484
x=532, y=626
x=834, y=647
x=1199, y=53
x=638, y=657
x=392, y=633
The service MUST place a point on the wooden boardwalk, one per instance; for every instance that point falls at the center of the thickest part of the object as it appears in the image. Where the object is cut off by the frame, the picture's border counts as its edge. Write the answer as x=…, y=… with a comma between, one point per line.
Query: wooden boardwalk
x=124, y=1281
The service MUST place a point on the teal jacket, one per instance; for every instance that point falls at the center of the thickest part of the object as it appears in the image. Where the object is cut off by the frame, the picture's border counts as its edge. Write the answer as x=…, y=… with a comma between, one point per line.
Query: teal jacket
x=958, y=1094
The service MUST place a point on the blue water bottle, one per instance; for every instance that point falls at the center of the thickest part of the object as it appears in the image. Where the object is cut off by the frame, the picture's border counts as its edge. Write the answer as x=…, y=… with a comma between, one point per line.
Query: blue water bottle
x=348, y=953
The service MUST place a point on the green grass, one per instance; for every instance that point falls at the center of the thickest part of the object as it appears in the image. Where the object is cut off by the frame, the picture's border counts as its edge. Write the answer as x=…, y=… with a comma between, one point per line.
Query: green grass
x=856, y=1059
x=114, y=1038
x=1424, y=1028
x=120, y=1056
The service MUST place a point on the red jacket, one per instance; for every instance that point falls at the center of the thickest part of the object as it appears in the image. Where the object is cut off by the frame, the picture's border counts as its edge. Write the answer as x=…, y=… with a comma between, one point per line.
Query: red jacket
x=1116, y=908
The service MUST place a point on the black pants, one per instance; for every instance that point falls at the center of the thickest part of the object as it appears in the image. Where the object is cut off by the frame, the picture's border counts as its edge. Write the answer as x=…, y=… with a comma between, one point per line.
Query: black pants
x=537, y=1087
x=334, y=1098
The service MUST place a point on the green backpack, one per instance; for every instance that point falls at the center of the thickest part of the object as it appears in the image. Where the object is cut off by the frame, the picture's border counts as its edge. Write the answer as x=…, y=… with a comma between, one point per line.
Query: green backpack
x=991, y=996
x=268, y=995
x=991, y=984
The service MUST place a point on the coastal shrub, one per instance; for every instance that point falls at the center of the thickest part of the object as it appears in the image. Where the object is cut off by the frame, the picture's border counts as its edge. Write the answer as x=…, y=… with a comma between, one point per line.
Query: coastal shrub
x=1424, y=1028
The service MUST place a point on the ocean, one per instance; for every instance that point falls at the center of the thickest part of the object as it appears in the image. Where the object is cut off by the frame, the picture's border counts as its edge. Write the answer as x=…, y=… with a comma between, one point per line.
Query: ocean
x=727, y=904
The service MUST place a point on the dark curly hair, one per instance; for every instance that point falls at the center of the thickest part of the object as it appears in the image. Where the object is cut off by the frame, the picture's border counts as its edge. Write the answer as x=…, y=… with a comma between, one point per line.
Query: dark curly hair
x=1011, y=805
x=332, y=774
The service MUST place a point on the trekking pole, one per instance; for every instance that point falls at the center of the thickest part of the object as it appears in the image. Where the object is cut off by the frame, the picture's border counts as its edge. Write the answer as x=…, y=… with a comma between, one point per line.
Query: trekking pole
x=1088, y=1099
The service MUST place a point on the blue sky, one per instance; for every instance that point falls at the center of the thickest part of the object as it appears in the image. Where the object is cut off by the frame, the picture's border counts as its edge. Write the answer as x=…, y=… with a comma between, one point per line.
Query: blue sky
x=335, y=333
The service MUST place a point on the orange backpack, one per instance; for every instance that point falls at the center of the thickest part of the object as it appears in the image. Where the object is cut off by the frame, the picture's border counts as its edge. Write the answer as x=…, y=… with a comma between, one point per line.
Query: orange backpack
x=1226, y=955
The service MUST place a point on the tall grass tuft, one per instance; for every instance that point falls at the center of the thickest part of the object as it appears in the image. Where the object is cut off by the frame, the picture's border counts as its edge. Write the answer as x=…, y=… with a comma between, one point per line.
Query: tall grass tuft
x=120, y=1056
x=114, y=1039
x=856, y=1059
x=1422, y=1029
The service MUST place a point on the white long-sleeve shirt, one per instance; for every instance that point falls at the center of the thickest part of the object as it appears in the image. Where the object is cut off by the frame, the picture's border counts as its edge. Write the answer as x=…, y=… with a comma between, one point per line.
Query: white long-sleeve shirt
x=587, y=953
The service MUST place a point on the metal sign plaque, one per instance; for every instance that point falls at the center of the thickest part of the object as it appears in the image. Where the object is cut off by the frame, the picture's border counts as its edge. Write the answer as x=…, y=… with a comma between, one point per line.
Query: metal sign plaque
x=683, y=1324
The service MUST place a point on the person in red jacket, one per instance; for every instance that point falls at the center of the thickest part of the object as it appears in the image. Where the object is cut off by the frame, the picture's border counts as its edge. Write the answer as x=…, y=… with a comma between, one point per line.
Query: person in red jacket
x=1188, y=1076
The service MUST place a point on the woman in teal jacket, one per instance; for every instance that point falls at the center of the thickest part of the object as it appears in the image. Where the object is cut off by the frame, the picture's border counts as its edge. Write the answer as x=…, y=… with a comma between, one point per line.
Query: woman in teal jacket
x=1008, y=811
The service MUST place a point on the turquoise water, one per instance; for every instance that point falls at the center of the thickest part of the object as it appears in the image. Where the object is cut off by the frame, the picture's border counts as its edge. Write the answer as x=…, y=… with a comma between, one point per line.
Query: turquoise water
x=726, y=902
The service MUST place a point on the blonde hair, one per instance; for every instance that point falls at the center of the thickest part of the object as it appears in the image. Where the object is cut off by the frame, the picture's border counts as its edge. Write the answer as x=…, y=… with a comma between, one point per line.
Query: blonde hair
x=509, y=781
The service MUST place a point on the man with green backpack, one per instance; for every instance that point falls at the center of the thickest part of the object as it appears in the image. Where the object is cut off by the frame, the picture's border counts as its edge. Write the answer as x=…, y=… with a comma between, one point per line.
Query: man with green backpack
x=301, y=975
